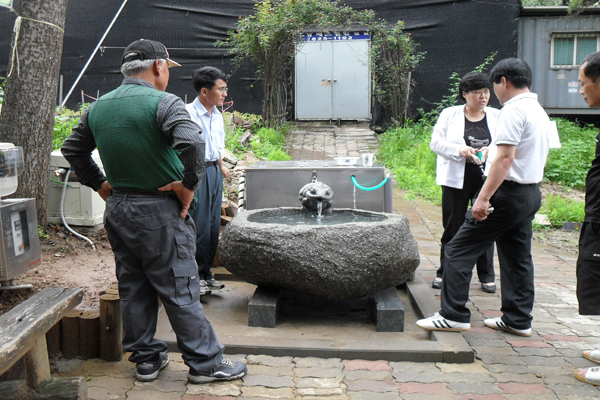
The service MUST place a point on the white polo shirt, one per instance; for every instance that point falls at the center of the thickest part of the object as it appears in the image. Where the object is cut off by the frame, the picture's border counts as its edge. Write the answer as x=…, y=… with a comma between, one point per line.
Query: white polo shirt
x=524, y=123
x=213, y=129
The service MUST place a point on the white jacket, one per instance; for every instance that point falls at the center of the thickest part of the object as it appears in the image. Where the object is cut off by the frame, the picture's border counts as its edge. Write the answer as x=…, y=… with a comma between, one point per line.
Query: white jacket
x=446, y=140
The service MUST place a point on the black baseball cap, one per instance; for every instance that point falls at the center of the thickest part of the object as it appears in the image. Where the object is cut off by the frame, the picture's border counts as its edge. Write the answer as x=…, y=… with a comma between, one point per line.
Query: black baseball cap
x=147, y=50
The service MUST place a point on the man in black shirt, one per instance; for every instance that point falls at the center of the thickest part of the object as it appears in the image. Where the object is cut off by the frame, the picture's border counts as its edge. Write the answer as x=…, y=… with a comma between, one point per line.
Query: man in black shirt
x=588, y=263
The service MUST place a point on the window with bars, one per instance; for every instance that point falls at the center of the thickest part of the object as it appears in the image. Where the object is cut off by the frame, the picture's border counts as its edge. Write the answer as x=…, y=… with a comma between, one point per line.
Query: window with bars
x=569, y=49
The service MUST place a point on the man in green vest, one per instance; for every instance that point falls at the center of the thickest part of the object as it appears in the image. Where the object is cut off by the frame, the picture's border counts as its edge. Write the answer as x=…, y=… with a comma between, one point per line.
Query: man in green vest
x=153, y=156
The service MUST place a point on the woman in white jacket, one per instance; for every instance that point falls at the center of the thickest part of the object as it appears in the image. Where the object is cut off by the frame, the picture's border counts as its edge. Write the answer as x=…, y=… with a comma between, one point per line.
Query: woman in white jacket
x=460, y=139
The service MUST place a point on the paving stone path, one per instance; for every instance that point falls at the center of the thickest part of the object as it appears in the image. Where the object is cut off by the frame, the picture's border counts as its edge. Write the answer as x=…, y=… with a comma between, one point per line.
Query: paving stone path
x=507, y=366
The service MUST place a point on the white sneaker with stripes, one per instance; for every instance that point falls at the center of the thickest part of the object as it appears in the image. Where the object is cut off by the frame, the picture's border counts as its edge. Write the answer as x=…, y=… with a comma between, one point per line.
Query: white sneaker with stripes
x=438, y=323
x=497, y=323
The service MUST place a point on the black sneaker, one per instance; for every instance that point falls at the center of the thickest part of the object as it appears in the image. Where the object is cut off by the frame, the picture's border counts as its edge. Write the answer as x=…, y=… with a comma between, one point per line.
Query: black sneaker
x=148, y=371
x=227, y=370
x=214, y=284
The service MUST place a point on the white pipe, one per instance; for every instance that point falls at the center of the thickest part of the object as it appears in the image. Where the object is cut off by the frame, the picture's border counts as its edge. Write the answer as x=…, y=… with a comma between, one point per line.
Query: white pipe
x=62, y=211
x=93, y=54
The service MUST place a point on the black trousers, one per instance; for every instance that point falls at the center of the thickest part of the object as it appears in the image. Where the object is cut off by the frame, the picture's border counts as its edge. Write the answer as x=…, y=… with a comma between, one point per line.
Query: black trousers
x=588, y=269
x=207, y=217
x=509, y=226
x=455, y=203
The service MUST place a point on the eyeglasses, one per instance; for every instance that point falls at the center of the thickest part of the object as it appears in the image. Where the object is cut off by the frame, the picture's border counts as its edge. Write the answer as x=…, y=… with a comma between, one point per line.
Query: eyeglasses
x=223, y=89
x=478, y=93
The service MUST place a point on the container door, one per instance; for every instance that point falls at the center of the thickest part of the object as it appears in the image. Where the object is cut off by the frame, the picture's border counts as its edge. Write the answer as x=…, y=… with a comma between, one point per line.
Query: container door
x=351, y=80
x=314, y=80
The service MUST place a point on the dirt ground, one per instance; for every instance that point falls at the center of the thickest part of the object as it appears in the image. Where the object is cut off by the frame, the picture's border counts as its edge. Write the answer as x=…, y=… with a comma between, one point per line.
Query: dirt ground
x=70, y=262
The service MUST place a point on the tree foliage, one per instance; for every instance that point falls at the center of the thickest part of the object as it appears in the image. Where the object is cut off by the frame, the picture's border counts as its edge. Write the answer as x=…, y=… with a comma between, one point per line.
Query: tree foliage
x=270, y=36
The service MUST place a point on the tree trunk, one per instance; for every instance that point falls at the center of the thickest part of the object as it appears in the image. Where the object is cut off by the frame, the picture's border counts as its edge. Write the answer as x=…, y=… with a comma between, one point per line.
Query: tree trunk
x=27, y=118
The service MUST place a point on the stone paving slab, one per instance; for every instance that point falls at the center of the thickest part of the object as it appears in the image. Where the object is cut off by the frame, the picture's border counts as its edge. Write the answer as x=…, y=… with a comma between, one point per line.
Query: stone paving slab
x=506, y=366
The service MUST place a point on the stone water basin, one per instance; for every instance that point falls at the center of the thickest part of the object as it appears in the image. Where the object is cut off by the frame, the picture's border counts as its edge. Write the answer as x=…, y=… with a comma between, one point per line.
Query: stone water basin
x=344, y=254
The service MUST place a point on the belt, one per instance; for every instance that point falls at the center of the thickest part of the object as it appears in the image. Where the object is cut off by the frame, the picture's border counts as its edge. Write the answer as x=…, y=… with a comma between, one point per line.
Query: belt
x=513, y=183
x=211, y=163
x=138, y=193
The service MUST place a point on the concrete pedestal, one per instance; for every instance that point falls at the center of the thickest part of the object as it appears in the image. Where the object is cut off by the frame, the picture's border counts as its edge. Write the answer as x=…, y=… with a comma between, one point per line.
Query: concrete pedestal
x=386, y=308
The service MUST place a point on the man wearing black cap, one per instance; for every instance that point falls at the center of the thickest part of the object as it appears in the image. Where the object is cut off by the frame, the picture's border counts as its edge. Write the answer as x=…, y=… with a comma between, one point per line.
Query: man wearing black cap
x=153, y=156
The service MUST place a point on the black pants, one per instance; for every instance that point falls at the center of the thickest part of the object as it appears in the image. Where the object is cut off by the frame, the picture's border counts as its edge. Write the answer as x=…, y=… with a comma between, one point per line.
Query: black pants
x=509, y=226
x=207, y=217
x=588, y=269
x=454, y=206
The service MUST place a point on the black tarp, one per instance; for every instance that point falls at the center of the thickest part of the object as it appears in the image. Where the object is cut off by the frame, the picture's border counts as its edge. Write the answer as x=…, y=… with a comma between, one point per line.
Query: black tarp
x=457, y=36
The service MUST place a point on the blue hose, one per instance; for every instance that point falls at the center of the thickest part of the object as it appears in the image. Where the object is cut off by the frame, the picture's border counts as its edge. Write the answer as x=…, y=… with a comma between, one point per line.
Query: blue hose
x=371, y=188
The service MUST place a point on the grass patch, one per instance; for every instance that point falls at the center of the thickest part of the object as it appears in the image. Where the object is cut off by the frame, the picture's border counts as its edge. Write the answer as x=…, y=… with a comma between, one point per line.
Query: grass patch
x=560, y=210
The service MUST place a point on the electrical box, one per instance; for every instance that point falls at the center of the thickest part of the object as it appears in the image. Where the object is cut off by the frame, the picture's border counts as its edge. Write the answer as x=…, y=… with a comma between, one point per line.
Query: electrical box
x=20, y=244
x=82, y=205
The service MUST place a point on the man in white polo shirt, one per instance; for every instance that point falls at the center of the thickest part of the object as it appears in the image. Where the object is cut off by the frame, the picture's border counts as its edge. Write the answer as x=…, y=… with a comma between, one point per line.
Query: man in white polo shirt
x=503, y=211
x=211, y=85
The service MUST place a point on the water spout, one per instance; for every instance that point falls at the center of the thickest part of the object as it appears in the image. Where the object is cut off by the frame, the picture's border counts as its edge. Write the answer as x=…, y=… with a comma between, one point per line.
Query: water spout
x=316, y=196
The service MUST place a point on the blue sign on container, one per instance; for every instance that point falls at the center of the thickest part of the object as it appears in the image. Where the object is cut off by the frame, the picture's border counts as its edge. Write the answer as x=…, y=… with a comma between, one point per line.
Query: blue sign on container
x=316, y=37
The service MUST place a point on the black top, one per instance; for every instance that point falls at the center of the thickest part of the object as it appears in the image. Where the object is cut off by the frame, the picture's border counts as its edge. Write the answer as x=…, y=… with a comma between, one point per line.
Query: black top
x=592, y=188
x=477, y=135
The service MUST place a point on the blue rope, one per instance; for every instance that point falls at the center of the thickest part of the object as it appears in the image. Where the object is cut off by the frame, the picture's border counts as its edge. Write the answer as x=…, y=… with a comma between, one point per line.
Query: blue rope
x=371, y=188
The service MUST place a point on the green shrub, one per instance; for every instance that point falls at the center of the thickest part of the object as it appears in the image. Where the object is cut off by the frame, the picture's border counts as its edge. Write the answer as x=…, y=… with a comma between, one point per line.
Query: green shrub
x=568, y=166
x=278, y=155
x=405, y=150
x=267, y=143
x=560, y=210
x=234, y=133
x=64, y=121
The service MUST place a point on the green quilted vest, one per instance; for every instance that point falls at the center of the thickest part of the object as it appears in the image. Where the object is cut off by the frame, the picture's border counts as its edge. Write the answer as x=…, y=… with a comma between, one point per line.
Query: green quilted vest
x=134, y=151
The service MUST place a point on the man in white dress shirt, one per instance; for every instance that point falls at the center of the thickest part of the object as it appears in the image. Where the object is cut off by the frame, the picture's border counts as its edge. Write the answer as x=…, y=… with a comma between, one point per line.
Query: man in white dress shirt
x=211, y=85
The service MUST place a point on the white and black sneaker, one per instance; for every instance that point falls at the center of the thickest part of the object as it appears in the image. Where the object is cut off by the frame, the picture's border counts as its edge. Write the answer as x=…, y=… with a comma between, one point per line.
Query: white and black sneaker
x=204, y=289
x=227, y=370
x=148, y=371
x=438, y=323
x=214, y=284
x=497, y=323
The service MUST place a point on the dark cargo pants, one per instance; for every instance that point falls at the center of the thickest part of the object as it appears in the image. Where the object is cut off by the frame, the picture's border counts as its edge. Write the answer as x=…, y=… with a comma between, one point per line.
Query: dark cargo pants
x=154, y=254
x=509, y=226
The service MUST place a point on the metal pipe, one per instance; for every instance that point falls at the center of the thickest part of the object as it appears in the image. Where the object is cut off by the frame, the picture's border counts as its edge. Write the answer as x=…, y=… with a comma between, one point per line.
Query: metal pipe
x=93, y=53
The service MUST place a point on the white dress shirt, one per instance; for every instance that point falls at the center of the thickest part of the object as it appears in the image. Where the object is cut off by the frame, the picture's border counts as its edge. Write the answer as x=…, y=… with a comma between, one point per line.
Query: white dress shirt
x=213, y=129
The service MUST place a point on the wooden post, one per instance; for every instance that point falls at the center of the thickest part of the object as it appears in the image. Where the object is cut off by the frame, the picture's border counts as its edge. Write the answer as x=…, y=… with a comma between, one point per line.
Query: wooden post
x=89, y=335
x=111, y=328
x=38, y=366
x=70, y=334
x=53, y=338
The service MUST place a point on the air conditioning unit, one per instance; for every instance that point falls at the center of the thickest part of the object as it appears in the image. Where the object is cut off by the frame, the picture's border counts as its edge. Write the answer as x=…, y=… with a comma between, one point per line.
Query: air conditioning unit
x=82, y=206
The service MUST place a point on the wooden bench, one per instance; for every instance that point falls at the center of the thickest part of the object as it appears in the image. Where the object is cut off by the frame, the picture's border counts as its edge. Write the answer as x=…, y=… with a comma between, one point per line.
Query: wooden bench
x=23, y=335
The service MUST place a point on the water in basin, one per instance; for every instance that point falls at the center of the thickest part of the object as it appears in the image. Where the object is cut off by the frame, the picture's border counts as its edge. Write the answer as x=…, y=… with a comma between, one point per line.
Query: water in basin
x=304, y=217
